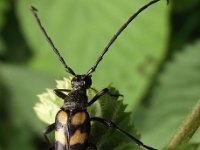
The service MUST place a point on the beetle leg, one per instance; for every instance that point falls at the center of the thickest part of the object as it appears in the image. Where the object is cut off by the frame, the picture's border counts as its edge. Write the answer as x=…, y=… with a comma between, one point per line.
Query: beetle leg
x=59, y=92
x=101, y=93
x=93, y=89
x=48, y=130
x=116, y=95
x=65, y=90
x=91, y=147
x=52, y=148
x=97, y=96
x=110, y=124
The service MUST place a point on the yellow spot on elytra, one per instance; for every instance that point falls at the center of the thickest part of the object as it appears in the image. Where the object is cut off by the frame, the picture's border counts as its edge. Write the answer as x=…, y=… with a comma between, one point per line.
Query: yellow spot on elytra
x=60, y=136
x=79, y=118
x=62, y=117
x=78, y=138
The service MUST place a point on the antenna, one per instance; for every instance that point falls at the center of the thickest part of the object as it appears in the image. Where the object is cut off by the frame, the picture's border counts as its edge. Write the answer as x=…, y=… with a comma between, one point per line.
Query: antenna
x=67, y=68
x=121, y=29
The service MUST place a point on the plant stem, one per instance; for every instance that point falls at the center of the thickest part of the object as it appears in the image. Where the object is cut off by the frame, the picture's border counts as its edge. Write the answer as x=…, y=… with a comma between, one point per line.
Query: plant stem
x=187, y=129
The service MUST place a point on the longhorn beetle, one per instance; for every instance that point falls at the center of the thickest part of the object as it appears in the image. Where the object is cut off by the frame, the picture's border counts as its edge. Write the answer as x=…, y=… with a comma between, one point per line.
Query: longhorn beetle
x=72, y=122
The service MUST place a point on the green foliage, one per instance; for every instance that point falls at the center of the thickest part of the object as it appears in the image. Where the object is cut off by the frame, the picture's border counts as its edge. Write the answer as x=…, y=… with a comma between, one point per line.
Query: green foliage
x=22, y=123
x=49, y=103
x=112, y=108
x=25, y=95
x=173, y=98
x=182, y=6
x=188, y=147
x=1, y=46
x=81, y=29
x=85, y=27
x=184, y=29
x=3, y=9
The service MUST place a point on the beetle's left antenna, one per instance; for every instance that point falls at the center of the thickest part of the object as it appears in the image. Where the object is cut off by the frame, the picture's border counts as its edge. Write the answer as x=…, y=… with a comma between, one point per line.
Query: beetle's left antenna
x=67, y=68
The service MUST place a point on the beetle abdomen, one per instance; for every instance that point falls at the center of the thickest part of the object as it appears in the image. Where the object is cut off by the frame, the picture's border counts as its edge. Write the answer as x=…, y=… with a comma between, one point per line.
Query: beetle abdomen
x=72, y=130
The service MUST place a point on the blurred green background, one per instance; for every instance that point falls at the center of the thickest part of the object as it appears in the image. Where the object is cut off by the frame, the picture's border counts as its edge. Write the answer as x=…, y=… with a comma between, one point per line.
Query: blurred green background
x=155, y=63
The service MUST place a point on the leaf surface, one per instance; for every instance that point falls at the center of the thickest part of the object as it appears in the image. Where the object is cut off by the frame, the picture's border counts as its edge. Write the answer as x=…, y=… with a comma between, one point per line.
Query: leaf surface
x=174, y=97
x=3, y=8
x=22, y=86
x=81, y=30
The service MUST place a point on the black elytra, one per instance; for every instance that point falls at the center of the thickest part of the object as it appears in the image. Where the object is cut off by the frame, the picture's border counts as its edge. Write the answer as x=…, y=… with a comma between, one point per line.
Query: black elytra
x=72, y=122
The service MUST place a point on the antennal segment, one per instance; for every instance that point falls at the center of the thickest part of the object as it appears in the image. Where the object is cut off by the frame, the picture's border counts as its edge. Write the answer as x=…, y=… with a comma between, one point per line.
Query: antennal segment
x=91, y=70
x=67, y=68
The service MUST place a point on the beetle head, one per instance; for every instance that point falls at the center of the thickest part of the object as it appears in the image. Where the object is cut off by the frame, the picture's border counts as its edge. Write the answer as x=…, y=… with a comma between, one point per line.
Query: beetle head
x=81, y=81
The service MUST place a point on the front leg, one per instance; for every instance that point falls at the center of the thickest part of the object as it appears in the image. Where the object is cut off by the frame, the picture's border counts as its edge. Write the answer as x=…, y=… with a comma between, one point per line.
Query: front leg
x=100, y=94
x=60, y=93
x=91, y=147
x=97, y=96
x=48, y=130
x=52, y=148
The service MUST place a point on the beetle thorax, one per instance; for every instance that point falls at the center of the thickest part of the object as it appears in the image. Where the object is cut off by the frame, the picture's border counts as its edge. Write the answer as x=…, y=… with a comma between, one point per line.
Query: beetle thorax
x=76, y=99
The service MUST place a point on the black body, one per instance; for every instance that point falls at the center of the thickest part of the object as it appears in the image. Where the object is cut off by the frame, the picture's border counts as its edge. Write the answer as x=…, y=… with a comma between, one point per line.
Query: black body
x=72, y=122
x=69, y=129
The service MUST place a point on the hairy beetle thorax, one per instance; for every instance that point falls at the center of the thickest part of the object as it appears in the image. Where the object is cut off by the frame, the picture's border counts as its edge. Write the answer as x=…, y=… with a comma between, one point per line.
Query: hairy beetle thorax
x=76, y=99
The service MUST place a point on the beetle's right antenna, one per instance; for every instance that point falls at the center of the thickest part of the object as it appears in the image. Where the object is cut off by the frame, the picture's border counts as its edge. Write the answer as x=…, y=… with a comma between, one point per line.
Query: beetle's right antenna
x=67, y=68
x=122, y=28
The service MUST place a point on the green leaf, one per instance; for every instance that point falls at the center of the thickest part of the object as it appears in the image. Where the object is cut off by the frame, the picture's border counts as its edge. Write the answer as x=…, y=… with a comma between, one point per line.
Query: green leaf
x=174, y=97
x=49, y=104
x=181, y=6
x=113, y=109
x=3, y=8
x=81, y=29
x=4, y=5
x=22, y=86
x=19, y=86
x=192, y=146
x=22, y=140
x=2, y=48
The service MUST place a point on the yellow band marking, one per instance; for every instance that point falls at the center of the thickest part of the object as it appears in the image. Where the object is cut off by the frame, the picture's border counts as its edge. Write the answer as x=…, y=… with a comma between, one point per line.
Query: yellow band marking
x=79, y=118
x=62, y=117
x=60, y=136
x=78, y=138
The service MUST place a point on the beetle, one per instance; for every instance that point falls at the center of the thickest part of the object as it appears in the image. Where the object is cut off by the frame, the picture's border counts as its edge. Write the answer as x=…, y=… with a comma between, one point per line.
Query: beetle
x=72, y=122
